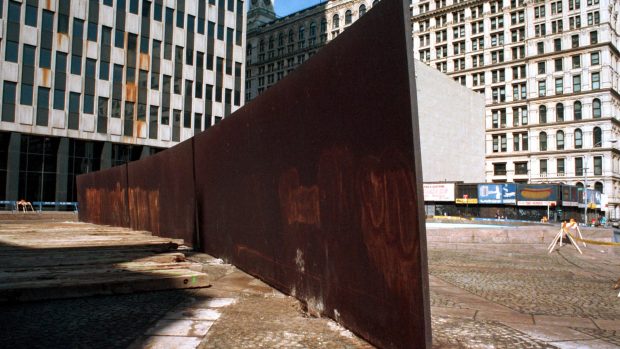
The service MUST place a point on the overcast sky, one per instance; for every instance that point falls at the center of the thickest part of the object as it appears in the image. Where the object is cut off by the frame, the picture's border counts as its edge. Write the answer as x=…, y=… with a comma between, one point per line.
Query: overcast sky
x=286, y=7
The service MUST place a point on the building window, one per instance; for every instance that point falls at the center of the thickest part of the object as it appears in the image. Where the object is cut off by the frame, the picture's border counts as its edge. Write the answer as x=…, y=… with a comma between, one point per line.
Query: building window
x=576, y=83
x=542, y=117
x=348, y=17
x=596, y=81
x=593, y=37
x=362, y=9
x=542, y=88
x=542, y=141
x=559, y=86
x=577, y=111
x=595, y=58
x=598, y=185
x=557, y=45
x=499, y=169
x=560, y=167
x=559, y=140
x=576, y=61
x=578, y=166
x=8, y=101
x=540, y=47
x=559, y=66
x=335, y=21
x=597, y=137
x=578, y=139
x=574, y=40
x=520, y=168
x=598, y=166
x=543, y=167
x=32, y=13
x=559, y=112
x=541, y=67
x=596, y=108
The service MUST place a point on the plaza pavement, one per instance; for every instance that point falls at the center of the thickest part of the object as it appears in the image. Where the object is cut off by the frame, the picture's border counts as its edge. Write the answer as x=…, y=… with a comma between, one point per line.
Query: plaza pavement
x=485, y=293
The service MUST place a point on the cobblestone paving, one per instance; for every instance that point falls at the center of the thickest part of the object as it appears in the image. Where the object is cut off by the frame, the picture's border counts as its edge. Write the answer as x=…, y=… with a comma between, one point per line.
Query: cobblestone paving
x=462, y=333
x=93, y=322
x=612, y=337
x=438, y=300
x=534, y=283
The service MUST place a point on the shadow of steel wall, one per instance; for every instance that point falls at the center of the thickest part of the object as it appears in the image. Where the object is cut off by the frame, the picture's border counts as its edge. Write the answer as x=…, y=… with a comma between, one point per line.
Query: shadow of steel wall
x=314, y=187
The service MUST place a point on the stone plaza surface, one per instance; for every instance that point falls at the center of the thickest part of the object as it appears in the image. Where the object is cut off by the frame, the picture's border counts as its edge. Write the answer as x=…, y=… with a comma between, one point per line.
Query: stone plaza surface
x=483, y=295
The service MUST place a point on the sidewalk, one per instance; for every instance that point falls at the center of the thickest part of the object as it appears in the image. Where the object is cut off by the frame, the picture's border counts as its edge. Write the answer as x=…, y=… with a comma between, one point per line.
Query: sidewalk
x=483, y=295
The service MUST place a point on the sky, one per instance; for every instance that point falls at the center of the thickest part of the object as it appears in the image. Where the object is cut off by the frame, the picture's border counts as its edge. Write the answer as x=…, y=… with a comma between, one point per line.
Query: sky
x=286, y=7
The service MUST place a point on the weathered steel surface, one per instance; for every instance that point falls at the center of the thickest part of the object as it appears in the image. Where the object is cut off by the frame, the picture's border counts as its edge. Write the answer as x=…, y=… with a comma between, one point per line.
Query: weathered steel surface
x=161, y=193
x=102, y=197
x=315, y=186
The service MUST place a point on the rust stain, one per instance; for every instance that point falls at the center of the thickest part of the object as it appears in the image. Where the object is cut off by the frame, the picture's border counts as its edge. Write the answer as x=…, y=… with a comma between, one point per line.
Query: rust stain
x=140, y=125
x=60, y=38
x=144, y=209
x=298, y=204
x=145, y=61
x=45, y=77
x=48, y=5
x=131, y=92
x=387, y=198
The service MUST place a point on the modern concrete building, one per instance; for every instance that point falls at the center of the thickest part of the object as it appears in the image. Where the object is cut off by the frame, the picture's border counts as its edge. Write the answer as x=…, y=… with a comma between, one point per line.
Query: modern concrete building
x=549, y=74
x=451, y=122
x=89, y=84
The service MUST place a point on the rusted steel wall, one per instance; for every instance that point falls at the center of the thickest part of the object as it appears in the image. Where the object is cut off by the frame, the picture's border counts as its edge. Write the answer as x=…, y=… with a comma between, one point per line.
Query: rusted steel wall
x=102, y=197
x=161, y=193
x=315, y=186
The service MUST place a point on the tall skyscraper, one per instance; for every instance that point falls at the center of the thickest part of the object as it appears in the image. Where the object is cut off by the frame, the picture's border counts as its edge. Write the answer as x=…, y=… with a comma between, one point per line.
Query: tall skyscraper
x=89, y=84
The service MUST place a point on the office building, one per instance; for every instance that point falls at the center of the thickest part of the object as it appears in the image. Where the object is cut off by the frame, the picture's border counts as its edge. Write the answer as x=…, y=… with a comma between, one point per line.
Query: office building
x=89, y=84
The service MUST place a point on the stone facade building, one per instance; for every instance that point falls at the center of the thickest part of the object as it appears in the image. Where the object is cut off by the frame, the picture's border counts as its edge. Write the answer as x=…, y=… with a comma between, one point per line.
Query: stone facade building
x=549, y=74
x=89, y=84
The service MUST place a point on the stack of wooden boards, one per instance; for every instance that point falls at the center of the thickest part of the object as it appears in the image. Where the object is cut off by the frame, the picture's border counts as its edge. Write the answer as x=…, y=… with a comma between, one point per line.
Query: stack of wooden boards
x=48, y=260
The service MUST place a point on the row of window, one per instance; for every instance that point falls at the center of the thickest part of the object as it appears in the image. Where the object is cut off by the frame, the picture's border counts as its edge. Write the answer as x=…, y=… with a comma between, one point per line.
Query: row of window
x=521, y=140
x=497, y=56
x=499, y=168
x=520, y=114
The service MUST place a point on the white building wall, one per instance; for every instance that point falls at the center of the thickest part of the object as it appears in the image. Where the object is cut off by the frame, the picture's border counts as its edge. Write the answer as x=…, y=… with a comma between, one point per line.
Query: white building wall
x=451, y=128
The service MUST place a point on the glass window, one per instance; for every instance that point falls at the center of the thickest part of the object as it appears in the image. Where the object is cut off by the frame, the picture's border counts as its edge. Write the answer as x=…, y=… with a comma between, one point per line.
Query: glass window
x=542, y=88
x=594, y=58
x=11, y=51
x=579, y=166
x=31, y=15
x=348, y=17
x=596, y=108
x=45, y=58
x=542, y=111
x=576, y=83
x=594, y=37
x=93, y=29
x=578, y=139
x=597, y=137
x=133, y=6
x=598, y=166
x=560, y=167
x=559, y=140
x=59, y=99
x=577, y=110
x=362, y=9
x=596, y=81
x=335, y=21
x=542, y=141
x=543, y=167
x=119, y=38
x=559, y=112
x=8, y=101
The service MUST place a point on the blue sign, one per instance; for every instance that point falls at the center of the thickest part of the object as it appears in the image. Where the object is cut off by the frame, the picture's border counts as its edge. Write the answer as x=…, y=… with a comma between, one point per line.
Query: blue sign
x=489, y=193
x=509, y=193
x=497, y=193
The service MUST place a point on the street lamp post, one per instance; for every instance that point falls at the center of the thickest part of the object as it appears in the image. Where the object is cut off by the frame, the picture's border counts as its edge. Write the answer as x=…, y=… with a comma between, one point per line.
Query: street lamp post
x=585, y=179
